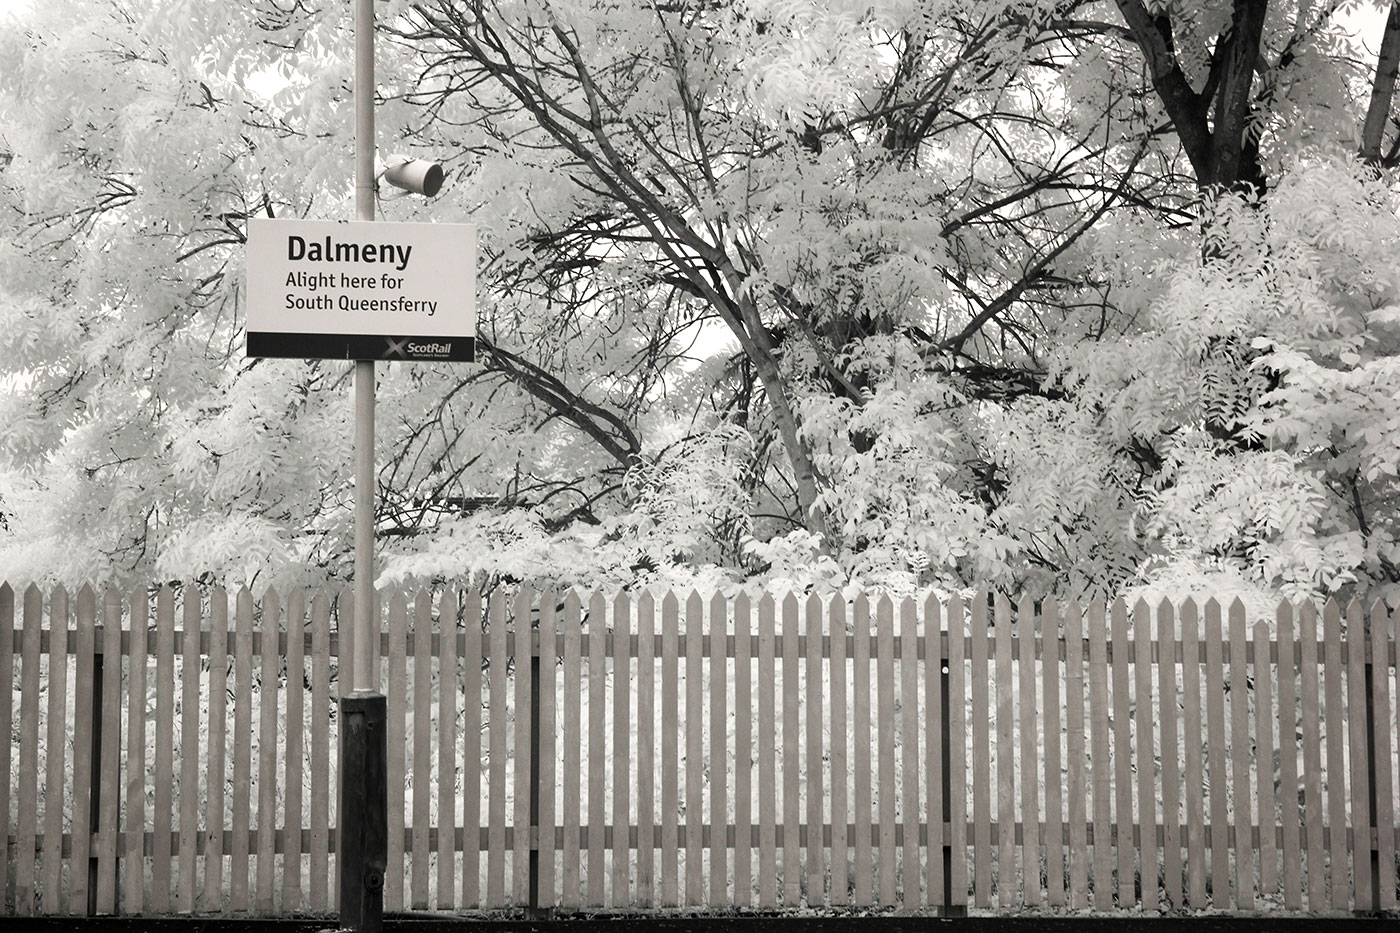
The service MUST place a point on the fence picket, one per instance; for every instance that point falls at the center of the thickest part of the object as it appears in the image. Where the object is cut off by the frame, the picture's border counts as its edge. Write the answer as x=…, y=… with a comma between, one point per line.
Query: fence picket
x=792, y=815
x=694, y=750
x=1030, y=752
x=189, y=744
x=1005, y=756
x=840, y=761
x=1193, y=778
x=743, y=753
x=1360, y=785
x=670, y=760
x=165, y=747
x=1167, y=681
x=396, y=740
x=1144, y=750
x=860, y=686
x=320, y=802
x=214, y=814
x=597, y=748
x=296, y=732
x=28, y=796
x=8, y=631
x=242, y=750
x=1051, y=635
x=718, y=752
x=884, y=690
x=1314, y=806
x=80, y=874
x=496, y=743
x=520, y=744
x=51, y=888
x=1241, y=785
x=909, y=737
x=1074, y=752
x=1338, y=846
x=1288, y=759
x=109, y=778
x=957, y=749
x=1098, y=722
x=422, y=745
x=812, y=673
x=547, y=738
x=1122, y=754
x=472, y=658
x=981, y=757
x=1264, y=762
x=646, y=753
x=933, y=746
x=135, y=872
x=621, y=752
x=269, y=669
x=446, y=848
x=1219, y=826
x=1380, y=736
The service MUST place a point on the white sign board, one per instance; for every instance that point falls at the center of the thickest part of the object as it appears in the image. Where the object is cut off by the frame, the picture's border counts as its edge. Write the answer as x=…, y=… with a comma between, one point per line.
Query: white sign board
x=321, y=289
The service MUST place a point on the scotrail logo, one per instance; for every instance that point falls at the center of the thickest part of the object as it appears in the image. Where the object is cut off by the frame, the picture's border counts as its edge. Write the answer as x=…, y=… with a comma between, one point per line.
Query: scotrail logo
x=443, y=349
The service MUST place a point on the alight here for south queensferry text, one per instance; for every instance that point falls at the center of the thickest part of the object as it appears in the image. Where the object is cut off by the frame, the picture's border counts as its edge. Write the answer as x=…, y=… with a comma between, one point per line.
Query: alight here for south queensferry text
x=300, y=249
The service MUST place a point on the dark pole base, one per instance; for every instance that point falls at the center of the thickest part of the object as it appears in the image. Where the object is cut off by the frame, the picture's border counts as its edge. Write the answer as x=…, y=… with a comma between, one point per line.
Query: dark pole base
x=364, y=811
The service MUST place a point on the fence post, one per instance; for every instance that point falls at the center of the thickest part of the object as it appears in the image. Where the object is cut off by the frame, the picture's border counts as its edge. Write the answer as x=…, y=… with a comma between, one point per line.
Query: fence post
x=533, y=910
x=95, y=794
x=950, y=909
x=364, y=826
x=1372, y=835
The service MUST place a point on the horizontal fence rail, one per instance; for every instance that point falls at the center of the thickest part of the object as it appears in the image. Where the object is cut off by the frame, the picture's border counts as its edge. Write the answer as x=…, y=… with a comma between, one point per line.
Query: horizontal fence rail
x=171, y=753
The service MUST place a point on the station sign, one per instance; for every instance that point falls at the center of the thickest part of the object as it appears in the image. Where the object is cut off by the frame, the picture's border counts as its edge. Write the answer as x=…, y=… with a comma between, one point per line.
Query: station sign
x=321, y=289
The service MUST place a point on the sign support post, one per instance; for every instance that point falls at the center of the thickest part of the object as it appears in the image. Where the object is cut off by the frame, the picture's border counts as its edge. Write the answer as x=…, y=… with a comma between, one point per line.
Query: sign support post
x=363, y=291
x=363, y=784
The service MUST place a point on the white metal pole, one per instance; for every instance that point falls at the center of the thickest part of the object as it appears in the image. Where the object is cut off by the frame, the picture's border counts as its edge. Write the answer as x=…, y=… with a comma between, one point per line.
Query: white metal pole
x=365, y=631
x=363, y=789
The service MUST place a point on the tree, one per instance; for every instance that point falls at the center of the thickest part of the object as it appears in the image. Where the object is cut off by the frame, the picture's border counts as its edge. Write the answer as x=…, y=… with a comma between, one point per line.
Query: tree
x=898, y=293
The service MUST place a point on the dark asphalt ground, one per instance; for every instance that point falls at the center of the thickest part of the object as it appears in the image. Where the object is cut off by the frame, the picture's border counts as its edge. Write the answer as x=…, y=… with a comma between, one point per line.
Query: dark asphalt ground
x=745, y=924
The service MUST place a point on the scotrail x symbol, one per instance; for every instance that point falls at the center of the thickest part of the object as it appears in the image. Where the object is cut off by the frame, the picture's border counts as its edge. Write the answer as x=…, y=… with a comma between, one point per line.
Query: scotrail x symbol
x=396, y=348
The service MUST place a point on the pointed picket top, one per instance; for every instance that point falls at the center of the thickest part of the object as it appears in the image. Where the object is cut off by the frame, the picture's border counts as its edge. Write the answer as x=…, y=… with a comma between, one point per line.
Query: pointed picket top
x=933, y=607
x=646, y=603
x=719, y=610
x=1142, y=620
x=398, y=604
x=1165, y=607
x=598, y=612
x=884, y=605
x=320, y=603
x=668, y=602
x=742, y=603
x=861, y=607
x=1356, y=619
x=111, y=603
x=1025, y=606
x=1331, y=607
x=1188, y=604
x=32, y=592
x=622, y=604
x=1073, y=608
